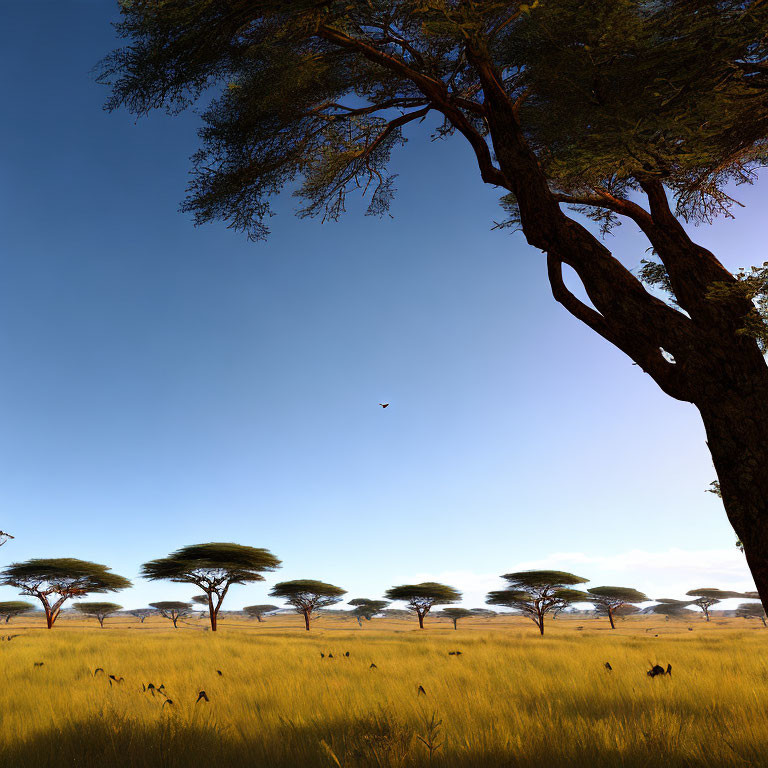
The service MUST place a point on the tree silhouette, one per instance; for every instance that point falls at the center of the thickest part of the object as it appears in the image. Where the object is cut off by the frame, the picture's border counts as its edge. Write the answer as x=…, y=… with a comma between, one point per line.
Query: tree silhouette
x=367, y=609
x=98, y=611
x=454, y=614
x=751, y=611
x=214, y=568
x=537, y=593
x=61, y=579
x=142, y=614
x=172, y=610
x=421, y=598
x=671, y=608
x=608, y=600
x=259, y=611
x=307, y=596
x=13, y=608
x=605, y=109
x=708, y=597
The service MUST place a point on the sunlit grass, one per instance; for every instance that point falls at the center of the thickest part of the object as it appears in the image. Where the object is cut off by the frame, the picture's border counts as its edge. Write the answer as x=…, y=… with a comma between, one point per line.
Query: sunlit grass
x=510, y=699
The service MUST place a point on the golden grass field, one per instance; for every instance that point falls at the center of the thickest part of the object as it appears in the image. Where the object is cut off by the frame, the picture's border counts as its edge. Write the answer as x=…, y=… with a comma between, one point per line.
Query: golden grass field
x=511, y=699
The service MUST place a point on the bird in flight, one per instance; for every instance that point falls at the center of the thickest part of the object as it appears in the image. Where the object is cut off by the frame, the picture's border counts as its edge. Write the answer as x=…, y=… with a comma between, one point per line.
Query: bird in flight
x=384, y=405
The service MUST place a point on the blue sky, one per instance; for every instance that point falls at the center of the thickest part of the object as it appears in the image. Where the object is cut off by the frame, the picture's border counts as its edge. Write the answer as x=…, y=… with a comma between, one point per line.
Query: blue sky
x=165, y=385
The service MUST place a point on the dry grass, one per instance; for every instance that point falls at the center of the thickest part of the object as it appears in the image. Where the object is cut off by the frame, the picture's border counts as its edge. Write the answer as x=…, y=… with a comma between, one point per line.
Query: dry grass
x=511, y=698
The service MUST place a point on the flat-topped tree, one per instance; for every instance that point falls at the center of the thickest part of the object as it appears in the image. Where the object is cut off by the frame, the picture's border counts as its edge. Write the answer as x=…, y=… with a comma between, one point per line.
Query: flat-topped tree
x=56, y=580
x=173, y=610
x=707, y=597
x=608, y=600
x=214, y=568
x=98, y=611
x=537, y=593
x=258, y=612
x=640, y=111
x=363, y=608
x=421, y=598
x=142, y=614
x=12, y=608
x=201, y=600
x=306, y=596
x=671, y=608
x=483, y=613
x=454, y=614
x=751, y=611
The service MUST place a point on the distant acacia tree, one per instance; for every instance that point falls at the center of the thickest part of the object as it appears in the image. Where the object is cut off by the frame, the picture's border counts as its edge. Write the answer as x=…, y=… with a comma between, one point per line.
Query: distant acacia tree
x=608, y=600
x=454, y=614
x=172, y=610
x=671, y=608
x=708, y=597
x=13, y=608
x=363, y=608
x=421, y=598
x=62, y=578
x=307, y=596
x=626, y=610
x=98, y=611
x=483, y=613
x=751, y=611
x=214, y=568
x=259, y=611
x=537, y=593
x=396, y=613
x=142, y=614
x=201, y=600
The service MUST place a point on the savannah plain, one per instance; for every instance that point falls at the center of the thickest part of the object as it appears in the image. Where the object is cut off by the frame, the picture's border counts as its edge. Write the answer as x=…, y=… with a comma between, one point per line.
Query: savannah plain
x=511, y=698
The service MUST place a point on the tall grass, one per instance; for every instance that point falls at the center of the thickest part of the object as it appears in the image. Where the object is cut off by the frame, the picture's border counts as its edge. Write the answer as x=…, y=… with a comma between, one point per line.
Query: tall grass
x=510, y=699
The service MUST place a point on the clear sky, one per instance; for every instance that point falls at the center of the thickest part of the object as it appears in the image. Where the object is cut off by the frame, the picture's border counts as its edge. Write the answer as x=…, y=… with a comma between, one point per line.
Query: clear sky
x=164, y=385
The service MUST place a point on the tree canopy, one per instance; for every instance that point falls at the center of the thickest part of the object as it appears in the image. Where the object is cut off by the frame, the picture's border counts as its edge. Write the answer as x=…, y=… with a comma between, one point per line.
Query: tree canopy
x=214, y=568
x=307, y=596
x=751, y=611
x=611, y=599
x=364, y=608
x=454, y=614
x=99, y=611
x=259, y=611
x=706, y=597
x=422, y=597
x=537, y=593
x=172, y=610
x=11, y=608
x=64, y=577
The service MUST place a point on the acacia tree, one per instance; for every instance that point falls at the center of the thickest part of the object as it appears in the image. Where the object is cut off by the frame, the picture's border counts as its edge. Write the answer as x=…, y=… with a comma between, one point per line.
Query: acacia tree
x=708, y=597
x=604, y=109
x=671, y=608
x=307, y=596
x=201, y=600
x=537, y=593
x=54, y=581
x=172, y=610
x=259, y=611
x=214, y=568
x=454, y=614
x=608, y=600
x=752, y=611
x=98, y=611
x=367, y=609
x=421, y=598
x=142, y=613
x=13, y=608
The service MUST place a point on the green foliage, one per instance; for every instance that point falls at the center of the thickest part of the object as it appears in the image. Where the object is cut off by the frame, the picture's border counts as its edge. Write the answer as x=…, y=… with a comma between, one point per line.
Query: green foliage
x=616, y=596
x=607, y=93
x=422, y=597
x=172, y=609
x=98, y=611
x=257, y=611
x=307, y=595
x=11, y=608
x=671, y=608
x=63, y=576
x=367, y=609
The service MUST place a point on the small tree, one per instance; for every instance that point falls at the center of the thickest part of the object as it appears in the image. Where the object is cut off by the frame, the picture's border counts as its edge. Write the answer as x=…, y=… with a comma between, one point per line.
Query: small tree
x=483, y=613
x=607, y=600
x=537, y=593
x=63, y=578
x=708, y=597
x=671, y=608
x=367, y=609
x=172, y=610
x=454, y=614
x=142, y=613
x=214, y=568
x=422, y=597
x=201, y=600
x=259, y=611
x=307, y=596
x=98, y=611
x=14, y=608
x=751, y=611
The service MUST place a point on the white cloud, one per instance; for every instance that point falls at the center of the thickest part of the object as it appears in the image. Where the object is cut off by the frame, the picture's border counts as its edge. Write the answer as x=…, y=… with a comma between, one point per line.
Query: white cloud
x=670, y=573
